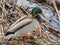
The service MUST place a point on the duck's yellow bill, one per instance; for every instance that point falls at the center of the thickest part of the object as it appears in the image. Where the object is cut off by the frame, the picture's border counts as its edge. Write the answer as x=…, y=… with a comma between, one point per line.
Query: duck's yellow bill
x=43, y=15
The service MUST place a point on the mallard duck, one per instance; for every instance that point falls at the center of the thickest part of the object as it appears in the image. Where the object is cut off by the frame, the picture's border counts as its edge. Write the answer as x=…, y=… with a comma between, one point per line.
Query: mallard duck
x=25, y=24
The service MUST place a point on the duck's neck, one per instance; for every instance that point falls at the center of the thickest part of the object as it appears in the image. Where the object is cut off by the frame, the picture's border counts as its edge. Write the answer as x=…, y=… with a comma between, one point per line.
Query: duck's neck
x=38, y=18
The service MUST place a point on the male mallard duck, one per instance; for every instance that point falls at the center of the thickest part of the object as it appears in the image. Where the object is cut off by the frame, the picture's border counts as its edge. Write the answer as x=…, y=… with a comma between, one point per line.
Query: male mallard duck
x=25, y=24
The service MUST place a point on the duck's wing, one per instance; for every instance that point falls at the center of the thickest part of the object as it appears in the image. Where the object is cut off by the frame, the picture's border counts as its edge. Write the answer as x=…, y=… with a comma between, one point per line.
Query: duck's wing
x=19, y=25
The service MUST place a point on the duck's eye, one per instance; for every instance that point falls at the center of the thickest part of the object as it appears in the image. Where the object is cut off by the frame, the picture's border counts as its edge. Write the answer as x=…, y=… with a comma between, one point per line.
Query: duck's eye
x=36, y=11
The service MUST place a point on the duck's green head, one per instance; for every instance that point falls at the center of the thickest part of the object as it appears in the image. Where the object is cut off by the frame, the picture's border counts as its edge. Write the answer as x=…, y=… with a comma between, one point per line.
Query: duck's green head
x=36, y=11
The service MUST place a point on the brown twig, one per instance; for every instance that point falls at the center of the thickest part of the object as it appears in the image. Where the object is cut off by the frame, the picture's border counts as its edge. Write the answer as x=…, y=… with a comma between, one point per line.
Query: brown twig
x=55, y=6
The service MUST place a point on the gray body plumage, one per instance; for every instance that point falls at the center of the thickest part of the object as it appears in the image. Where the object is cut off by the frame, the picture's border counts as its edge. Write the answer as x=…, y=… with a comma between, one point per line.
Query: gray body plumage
x=25, y=29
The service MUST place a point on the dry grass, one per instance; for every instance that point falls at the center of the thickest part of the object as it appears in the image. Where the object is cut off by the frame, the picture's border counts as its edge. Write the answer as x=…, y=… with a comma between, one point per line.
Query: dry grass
x=9, y=14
